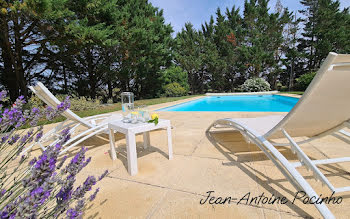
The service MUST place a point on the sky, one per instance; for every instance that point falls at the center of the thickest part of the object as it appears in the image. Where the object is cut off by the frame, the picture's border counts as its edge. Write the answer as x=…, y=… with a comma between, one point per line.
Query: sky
x=178, y=12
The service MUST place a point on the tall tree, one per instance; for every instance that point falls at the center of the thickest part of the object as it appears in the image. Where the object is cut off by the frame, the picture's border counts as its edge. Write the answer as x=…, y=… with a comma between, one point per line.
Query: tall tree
x=189, y=56
x=22, y=41
x=145, y=45
x=326, y=29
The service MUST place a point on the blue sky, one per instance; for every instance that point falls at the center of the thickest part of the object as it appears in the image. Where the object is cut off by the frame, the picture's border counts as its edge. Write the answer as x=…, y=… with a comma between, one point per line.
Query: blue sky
x=178, y=12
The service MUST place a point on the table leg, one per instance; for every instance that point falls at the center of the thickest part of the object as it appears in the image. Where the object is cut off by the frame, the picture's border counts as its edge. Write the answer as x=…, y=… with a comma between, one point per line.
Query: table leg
x=146, y=140
x=131, y=153
x=112, y=144
x=170, y=144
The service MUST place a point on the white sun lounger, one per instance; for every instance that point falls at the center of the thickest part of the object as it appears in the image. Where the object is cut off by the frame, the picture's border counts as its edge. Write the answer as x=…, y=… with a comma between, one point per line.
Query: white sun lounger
x=323, y=109
x=94, y=124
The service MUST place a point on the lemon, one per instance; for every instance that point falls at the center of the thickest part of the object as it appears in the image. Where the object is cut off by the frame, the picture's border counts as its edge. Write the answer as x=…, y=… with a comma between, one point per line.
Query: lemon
x=154, y=116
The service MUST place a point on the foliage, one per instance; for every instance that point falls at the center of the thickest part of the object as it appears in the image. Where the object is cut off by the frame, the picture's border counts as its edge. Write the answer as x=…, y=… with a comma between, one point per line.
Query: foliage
x=255, y=85
x=294, y=92
x=326, y=29
x=176, y=74
x=174, y=90
x=83, y=47
x=44, y=186
x=233, y=48
x=304, y=81
x=77, y=103
x=90, y=48
x=154, y=119
x=82, y=103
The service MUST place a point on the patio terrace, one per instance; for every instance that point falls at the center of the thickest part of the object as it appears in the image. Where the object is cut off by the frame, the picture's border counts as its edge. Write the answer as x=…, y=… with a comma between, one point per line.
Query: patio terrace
x=223, y=162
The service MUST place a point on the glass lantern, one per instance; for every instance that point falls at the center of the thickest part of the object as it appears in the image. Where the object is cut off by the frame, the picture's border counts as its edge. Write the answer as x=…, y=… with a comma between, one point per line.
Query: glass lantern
x=127, y=103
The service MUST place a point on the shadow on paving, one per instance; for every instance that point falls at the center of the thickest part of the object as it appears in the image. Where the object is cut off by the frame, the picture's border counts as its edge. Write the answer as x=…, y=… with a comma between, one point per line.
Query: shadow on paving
x=218, y=140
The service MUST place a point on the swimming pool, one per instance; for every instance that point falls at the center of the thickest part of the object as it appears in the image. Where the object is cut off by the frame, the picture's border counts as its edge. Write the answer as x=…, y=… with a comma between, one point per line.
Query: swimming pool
x=239, y=103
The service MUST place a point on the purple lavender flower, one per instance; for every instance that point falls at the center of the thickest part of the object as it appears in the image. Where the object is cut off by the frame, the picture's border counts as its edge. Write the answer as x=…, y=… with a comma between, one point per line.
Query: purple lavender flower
x=77, y=163
x=89, y=182
x=77, y=211
x=3, y=139
x=11, y=117
x=33, y=161
x=42, y=178
x=93, y=196
x=23, y=157
x=40, y=194
x=13, y=139
x=45, y=161
x=34, y=116
x=87, y=185
x=64, y=105
x=65, y=192
x=26, y=136
x=61, y=162
x=44, y=167
x=72, y=214
x=38, y=136
x=103, y=175
x=65, y=135
x=50, y=113
x=86, y=162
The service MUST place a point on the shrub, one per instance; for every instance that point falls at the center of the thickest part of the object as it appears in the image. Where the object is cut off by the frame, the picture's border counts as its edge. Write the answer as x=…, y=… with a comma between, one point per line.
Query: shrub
x=110, y=101
x=304, y=80
x=174, y=90
x=44, y=187
x=281, y=87
x=77, y=103
x=82, y=103
x=175, y=74
x=255, y=85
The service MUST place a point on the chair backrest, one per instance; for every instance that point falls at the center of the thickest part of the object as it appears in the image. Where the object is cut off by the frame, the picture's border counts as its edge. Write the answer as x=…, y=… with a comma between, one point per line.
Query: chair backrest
x=45, y=95
x=325, y=104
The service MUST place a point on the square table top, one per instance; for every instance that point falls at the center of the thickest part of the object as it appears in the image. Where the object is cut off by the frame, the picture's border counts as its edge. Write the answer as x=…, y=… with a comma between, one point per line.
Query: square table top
x=123, y=127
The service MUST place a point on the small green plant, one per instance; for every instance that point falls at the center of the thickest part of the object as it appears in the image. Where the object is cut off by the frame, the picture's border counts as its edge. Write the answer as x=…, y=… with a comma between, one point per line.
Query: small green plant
x=174, y=90
x=110, y=101
x=34, y=101
x=281, y=87
x=304, y=80
x=255, y=85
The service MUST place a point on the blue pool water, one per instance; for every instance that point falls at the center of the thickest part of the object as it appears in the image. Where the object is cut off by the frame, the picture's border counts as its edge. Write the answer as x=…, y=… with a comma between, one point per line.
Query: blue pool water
x=246, y=103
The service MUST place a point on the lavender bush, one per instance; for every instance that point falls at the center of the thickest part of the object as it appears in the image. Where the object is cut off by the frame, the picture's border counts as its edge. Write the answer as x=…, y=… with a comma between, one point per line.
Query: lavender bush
x=44, y=186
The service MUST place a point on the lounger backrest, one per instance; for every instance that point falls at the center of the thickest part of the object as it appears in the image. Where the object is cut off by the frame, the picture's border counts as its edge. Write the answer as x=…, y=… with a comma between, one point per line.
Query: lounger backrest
x=325, y=104
x=45, y=95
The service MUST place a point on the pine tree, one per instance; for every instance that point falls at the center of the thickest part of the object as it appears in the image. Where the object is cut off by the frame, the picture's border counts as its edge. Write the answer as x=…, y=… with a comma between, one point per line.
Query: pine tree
x=326, y=29
x=23, y=25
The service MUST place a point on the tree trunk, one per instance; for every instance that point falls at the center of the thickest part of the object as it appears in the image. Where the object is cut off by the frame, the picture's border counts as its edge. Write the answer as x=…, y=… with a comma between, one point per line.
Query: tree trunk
x=65, y=80
x=110, y=89
x=18, y=60
x=92, y=75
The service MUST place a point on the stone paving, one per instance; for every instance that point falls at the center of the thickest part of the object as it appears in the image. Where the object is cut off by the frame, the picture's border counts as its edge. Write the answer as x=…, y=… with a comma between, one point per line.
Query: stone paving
x=225, y=164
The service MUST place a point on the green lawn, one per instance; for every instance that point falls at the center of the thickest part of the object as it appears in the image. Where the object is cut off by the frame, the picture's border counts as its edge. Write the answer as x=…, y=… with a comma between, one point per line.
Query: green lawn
x=293, y=92
x=116, y=107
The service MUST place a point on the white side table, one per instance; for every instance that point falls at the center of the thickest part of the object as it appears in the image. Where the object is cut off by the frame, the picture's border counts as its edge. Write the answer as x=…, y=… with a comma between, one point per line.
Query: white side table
x=130, y=130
